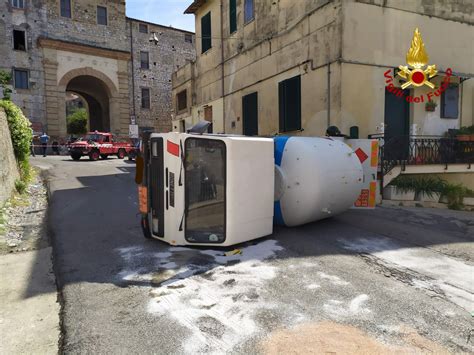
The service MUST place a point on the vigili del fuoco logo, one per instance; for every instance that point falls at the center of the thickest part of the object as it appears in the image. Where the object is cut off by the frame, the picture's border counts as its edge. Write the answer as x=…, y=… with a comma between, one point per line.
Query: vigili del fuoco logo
x=417, y=73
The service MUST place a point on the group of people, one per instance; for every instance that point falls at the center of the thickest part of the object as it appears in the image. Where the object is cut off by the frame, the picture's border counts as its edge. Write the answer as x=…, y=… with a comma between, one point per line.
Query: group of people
x=43, y=139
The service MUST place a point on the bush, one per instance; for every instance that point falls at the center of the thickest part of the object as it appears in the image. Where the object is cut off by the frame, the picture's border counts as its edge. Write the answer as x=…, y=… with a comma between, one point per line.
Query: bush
x=5, y=79
x=20, y=186
x=77, y=122
x=21, y=135
x=455, y=194
x=404, y=183
x=429, y=185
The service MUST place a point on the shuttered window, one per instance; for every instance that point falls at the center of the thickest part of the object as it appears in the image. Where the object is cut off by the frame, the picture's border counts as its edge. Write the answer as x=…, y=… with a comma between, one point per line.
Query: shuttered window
x=289, y=97
x=233, y=15
x=21, y=79
x=18, y=4
x=206, y=40
x=248, y=10
x=144, y=60
x=145, y=98
x=450, y=102
x=102, y=15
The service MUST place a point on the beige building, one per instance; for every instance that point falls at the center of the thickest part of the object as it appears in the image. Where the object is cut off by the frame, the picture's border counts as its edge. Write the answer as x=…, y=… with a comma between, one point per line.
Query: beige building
x=88, y=50
x=296, y=67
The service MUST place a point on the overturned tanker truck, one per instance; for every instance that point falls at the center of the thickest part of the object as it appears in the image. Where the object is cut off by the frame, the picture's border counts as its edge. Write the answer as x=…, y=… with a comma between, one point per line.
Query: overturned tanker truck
x=220, y=190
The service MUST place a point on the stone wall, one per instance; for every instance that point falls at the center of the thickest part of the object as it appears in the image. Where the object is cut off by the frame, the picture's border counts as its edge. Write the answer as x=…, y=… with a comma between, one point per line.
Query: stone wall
x=165, y=56
x=8, y=167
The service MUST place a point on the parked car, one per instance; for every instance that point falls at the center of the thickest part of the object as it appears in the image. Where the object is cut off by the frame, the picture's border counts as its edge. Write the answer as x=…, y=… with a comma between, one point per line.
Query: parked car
x=97, y=145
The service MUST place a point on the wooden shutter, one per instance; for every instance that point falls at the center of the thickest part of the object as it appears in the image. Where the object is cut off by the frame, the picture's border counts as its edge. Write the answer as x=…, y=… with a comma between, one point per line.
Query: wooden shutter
x=206, y=40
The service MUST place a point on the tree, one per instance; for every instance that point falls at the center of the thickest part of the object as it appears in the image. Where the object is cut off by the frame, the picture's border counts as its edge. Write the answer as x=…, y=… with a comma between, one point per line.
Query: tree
x=5, y=80
x=77, y=122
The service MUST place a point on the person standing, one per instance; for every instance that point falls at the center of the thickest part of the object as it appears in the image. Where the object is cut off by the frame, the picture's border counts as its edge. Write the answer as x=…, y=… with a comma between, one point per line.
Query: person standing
x=44, y=139
x=32, y=146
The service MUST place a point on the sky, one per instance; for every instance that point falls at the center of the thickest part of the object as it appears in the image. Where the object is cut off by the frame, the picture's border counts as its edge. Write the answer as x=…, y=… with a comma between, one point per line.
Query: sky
x=163, y=12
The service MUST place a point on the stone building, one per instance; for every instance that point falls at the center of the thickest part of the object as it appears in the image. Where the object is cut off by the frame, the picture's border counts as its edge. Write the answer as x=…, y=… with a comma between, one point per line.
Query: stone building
x=296, y=67
x=57, y=47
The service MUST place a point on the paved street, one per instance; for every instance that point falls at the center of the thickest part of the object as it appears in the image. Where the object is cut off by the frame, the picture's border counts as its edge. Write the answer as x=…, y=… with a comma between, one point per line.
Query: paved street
x=395, y=279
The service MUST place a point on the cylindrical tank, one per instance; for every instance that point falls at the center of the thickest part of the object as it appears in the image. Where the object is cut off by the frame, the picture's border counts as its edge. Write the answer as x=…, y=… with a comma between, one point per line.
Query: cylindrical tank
x=315, y=178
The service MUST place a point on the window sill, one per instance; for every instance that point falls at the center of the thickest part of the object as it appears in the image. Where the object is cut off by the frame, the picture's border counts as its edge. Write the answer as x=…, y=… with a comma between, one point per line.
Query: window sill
x=249, y=21
x=22, y=91
x=207, y=51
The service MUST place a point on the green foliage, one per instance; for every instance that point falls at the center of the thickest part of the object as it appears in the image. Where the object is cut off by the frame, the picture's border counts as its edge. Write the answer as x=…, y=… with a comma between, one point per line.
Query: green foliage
x=429, y=185
x=21, y=134
x=466, y=130
x=5, y=79
x=455, y=194
x=404, y=183
x=77, y=122
x=20, y=186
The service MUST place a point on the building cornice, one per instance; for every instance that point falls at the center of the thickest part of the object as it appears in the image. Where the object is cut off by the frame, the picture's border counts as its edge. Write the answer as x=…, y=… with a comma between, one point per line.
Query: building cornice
x=83, y=48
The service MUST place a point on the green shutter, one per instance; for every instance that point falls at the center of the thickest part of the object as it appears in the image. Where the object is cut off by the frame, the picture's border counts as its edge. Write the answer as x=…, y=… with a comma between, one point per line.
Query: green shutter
x=233, y=15
x=206, y=40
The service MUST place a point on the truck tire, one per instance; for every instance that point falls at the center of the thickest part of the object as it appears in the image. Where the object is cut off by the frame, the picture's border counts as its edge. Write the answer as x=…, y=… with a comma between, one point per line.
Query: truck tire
x=94, y=155
x=121, y=153
x=104, y=156
x=145, y=227
x=75, y=156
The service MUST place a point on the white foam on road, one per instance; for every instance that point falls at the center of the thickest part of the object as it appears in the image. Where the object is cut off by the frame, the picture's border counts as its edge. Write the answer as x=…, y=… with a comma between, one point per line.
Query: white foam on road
x=453, y=277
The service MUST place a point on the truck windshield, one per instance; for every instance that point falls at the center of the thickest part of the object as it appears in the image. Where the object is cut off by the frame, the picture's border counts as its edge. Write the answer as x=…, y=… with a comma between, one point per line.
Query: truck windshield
x=205, y=183
x=92, y=137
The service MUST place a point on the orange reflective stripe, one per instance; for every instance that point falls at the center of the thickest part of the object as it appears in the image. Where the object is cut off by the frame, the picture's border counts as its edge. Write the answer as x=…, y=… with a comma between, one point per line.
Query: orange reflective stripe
x=374, y=154
x=143, y=199
x=372, y=191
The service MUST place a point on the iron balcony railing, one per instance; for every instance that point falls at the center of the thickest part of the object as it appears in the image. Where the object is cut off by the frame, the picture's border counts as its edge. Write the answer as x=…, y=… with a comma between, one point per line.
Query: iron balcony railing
x=422, y=150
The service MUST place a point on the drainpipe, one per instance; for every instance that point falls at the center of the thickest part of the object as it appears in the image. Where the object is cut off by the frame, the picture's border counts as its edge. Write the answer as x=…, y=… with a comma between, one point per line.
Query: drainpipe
x=133, y=70
x=222, y=66
x=329, y=95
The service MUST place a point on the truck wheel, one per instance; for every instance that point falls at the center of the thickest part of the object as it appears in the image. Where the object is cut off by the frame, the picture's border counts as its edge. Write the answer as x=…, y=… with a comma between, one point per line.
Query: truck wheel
x=94, y=155
x=121, y=153
x=104, y=156
x=75, y=156
x=145, y=228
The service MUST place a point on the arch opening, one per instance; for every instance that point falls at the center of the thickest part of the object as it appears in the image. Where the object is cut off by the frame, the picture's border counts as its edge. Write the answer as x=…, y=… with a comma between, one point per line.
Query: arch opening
x=96, y=95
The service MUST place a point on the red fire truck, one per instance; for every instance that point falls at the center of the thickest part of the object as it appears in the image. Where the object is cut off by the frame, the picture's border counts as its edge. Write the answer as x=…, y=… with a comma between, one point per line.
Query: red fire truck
x=99, y=145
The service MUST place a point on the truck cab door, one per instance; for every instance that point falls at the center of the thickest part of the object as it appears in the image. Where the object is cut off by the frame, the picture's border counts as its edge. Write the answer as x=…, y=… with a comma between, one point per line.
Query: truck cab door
x=156, y=187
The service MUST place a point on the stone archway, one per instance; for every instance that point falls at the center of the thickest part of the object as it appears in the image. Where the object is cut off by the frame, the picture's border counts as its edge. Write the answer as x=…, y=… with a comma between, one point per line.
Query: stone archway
x=100, y=93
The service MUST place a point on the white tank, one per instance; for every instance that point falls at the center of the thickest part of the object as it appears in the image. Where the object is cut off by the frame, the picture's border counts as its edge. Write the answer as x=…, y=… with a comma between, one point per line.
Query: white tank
x=315, y=178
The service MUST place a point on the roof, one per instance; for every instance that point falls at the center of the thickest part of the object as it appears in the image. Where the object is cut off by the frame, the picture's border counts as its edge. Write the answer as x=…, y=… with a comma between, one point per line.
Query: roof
x=194, y=6
x=158, y=25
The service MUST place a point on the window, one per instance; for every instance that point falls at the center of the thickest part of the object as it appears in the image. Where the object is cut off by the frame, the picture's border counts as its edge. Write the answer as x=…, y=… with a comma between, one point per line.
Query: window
x=66, y=8
x=188, y=38
x=102, y=15
x=144, y=60
x=205, y=190
x=145, y=98
x=233, y=15
x=19, y=40
x=450, y=102
x=248, y=11
x=289, y=99
x=21, y=79
x=182, y=100
x=20, y=4
x=142, y=28
x=206, y=40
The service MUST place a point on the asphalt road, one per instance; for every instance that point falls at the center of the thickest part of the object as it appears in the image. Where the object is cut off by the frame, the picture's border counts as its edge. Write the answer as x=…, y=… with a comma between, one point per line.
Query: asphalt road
x=403, y=276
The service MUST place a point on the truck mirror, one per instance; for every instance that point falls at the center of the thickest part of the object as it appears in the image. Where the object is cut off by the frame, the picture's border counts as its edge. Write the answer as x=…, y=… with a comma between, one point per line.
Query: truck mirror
x=139, y=170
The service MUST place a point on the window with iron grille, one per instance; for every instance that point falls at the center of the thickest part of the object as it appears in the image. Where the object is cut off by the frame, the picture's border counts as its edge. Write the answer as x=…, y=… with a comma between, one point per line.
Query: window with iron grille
x=144, y=60
x=248, y=10
x=188, y=38
x=145, y=98
x=20, y=78
x=66, y=8
x=182, y=100
x=233, y=15
x=102, y=15
x=450, y=102
x=142, y=28
x=20, y=4
x=19, y=40
x=289, y=99
x=206, y=33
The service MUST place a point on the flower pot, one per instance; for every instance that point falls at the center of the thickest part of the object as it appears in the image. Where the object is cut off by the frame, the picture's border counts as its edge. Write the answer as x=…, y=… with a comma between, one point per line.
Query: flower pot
x=464, y=137
x=392, y=193
x=424, y=197
x=430, y=108
x=468, y=201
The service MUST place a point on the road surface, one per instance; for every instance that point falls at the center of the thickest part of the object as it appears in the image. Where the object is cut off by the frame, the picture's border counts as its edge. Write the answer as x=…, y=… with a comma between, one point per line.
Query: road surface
x=389, y=279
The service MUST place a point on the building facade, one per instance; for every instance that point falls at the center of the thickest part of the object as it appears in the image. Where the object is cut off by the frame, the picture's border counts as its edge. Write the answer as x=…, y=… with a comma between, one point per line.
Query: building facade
x=286, y=67
x=89, y=49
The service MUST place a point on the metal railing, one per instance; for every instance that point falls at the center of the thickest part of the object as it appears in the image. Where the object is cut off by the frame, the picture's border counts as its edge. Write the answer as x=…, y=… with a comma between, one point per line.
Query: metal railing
x=422, y=150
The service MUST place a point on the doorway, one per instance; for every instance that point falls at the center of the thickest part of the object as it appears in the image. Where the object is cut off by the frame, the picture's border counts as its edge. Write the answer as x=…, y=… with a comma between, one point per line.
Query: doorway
x=250, y=114
x=397, y=126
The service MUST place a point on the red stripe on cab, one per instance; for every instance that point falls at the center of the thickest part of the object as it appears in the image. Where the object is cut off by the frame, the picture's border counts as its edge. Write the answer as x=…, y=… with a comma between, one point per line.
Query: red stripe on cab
x=172, y=148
